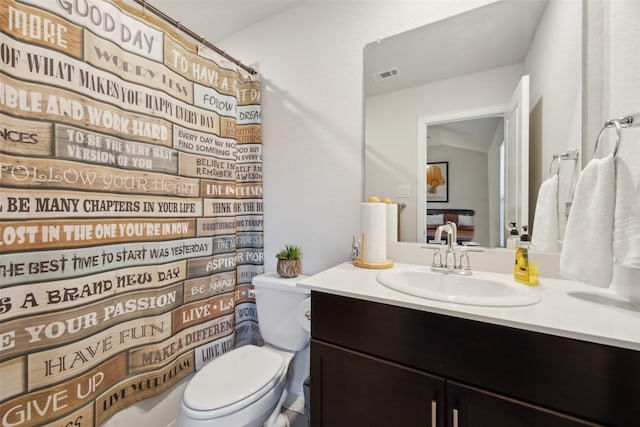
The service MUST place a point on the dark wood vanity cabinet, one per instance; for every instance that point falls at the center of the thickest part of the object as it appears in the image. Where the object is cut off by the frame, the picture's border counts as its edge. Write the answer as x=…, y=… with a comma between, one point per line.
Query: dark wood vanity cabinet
x=473, y=407
x=360, y=390
x=380, y=365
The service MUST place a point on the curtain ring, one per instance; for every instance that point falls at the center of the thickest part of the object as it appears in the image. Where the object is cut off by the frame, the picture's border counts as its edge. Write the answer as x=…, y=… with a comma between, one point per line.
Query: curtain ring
x=177, y=27
x=144, y=8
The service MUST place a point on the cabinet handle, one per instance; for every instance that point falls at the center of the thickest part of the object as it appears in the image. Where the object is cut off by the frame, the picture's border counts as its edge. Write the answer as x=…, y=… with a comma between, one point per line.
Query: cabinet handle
x=455, y=418
x=434, y=407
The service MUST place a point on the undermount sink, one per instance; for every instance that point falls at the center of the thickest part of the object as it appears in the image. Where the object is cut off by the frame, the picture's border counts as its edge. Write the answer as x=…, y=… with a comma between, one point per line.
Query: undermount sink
x=478, y=289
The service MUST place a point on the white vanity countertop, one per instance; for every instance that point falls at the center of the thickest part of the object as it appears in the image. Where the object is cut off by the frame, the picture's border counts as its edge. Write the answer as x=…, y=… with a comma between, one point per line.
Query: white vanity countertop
x=568, y=309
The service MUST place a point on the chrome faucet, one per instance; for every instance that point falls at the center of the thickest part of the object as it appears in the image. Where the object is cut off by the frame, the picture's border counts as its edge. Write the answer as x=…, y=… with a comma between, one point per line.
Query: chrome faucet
x=450, y=264
x=452, y=236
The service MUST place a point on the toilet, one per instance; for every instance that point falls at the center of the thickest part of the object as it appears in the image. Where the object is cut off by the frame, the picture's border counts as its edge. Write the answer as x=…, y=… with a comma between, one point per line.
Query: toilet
x=247, y=385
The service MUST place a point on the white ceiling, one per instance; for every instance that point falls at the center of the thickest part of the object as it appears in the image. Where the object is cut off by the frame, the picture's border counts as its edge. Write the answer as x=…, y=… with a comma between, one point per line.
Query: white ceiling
x=216, y=19
x=495, y=35
x=491, y=36
x=473, y=134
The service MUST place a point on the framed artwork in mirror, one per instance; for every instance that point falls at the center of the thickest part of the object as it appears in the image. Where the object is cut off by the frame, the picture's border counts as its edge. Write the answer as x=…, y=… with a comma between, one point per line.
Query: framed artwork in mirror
x=438, y=182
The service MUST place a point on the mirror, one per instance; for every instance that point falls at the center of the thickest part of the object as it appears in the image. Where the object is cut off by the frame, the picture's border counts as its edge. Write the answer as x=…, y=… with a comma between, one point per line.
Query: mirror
x=462, y=68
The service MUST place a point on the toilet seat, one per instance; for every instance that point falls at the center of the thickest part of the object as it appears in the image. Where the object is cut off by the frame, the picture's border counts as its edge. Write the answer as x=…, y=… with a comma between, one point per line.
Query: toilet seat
x=233, y=381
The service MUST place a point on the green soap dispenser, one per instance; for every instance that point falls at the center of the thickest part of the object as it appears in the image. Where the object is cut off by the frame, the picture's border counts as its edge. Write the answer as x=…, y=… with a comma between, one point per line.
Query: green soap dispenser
x=524, y=271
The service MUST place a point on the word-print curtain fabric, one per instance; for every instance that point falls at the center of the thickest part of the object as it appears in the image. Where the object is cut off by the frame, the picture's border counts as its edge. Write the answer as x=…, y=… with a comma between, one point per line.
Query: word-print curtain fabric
x=130, y=205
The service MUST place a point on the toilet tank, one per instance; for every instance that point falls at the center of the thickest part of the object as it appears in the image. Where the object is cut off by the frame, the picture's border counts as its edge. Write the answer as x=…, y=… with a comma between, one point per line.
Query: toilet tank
x=280, y=311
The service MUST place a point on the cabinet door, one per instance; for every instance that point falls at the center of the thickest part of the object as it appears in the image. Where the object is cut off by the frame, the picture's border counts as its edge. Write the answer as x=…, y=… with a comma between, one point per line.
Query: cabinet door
x=353, y=389
x=471, y=407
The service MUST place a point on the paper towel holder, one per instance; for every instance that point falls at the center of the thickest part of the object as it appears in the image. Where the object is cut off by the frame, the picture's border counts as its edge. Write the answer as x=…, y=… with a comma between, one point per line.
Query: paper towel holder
x=360, y=261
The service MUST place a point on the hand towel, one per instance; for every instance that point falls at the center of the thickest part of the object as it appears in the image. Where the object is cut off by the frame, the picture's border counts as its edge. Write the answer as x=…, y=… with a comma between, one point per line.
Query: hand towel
x=587, y=251
x=545, y=222
x=626, y=222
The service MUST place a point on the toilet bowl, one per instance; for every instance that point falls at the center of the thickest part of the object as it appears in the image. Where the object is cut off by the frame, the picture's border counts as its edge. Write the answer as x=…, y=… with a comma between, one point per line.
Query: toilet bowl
x=246, y=386
x=242, y=388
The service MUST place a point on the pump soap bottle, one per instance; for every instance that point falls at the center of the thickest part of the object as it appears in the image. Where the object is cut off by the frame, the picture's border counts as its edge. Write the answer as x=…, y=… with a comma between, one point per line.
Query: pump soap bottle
x=514, y=236
x=524, y=271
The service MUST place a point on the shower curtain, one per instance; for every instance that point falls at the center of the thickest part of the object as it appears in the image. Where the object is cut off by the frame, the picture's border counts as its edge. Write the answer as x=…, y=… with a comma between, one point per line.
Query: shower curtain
x=130, y=205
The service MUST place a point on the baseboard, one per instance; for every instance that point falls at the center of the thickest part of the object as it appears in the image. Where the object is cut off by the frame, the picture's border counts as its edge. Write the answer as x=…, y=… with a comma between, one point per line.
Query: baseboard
x=294, y=403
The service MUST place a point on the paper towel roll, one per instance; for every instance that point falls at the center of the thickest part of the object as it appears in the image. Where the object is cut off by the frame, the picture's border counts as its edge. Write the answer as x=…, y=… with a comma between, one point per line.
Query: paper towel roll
x=373, y=224
x=392, y=222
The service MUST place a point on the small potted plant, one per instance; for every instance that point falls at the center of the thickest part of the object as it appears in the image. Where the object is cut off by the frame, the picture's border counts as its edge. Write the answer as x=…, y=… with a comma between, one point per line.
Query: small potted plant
x=289, y=263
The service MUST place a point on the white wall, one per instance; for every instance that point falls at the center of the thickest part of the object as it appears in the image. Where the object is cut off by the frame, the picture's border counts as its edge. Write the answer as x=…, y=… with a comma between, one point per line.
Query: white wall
x=311, y=58
x=391, y=129
x=554, y=64
x=621, y=97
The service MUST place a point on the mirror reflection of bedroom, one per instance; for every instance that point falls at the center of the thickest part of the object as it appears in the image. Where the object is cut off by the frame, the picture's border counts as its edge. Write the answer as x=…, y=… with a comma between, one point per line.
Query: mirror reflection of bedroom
x=463, y=157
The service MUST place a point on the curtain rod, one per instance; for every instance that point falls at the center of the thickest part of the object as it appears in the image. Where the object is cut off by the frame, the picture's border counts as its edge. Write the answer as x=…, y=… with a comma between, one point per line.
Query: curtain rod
x=146, y=6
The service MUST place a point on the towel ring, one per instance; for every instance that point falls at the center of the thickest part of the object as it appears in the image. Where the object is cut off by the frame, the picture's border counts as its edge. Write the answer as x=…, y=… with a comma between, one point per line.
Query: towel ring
x=559, y=157
x=555, y=159
x=610, y=123
x=625, y=121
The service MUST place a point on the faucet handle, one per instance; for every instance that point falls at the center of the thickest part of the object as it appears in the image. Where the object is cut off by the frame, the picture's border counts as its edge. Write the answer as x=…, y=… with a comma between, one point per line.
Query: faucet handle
x=466, y=249
x=471, y=247
x=438, y=242
x=465, y=264
x=437, y=259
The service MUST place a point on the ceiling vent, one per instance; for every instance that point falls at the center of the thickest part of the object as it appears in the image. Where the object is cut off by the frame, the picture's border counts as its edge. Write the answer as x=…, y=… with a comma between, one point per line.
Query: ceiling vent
x=383, y=75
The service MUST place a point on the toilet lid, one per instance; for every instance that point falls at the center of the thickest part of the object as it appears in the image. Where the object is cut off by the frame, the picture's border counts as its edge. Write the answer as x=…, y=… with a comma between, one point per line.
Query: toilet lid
x=232, y=377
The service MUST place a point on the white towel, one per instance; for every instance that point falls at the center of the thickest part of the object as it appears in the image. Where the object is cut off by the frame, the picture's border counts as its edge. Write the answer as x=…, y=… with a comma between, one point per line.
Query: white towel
x=545, y=222
x=587, y=251
x=626, y=224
